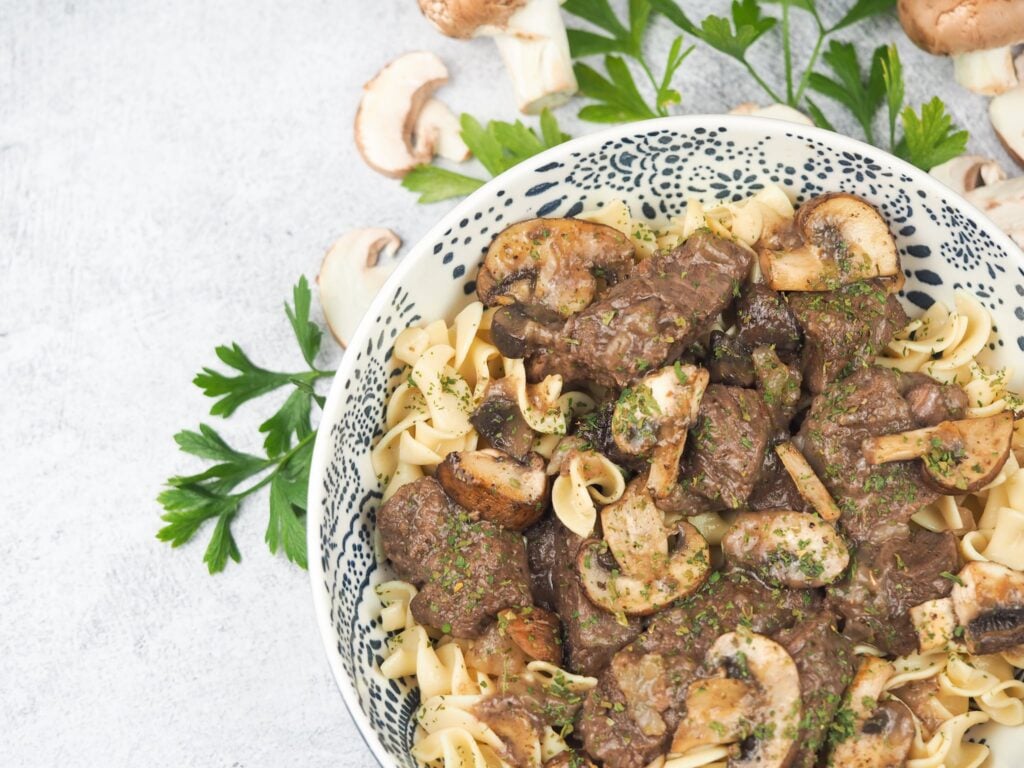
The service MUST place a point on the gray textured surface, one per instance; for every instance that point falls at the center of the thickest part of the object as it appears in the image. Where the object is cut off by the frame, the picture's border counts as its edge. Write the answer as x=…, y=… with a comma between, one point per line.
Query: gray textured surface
x=166, y=171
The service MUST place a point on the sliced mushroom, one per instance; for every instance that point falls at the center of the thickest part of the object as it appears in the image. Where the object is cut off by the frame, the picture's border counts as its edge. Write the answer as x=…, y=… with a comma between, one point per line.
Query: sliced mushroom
x=844, y=240
x=569, y=759
x=535, y=631
x=496, y=487
x=560, y=264
x=351, y=274
x=687, y=568
x=634, y=530
x=956, y=456
x=1003, y=202
x=883, y=731
x=500, y=421
x=988, y=71
x=530, y=36
x=389, y=109
x=935, y=624
x=955, y=26
x=651, y=420
x=795, y=549
x=988, y=599
x=438, y=132
x=1006, y=112
x=763, y=684
x=967, y=172
x=807, y=483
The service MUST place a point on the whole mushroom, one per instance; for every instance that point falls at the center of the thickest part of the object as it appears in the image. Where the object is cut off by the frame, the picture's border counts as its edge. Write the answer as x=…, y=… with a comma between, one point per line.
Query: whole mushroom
x=531, y=39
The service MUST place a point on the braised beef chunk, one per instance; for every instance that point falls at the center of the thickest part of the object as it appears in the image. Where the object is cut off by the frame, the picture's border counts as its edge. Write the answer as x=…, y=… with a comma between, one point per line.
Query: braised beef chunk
x=729, y=362
x=541, y=554
x=592, y=635
x=775, y=489
x=480, y=570
x=727, y=445
x=825, y=661
x=932, y=402
x=412, y=526
x=876, y=501
x=889, y=579
x=844, y=329
x=629, y=718
x=648, y=319
x=764, y=320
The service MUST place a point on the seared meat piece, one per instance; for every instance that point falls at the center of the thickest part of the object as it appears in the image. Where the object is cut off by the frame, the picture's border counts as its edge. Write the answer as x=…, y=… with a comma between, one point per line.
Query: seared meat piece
x=887, y=581
x=825, y=661
x=779, y=385
x=647, y=320
x=877, y=501
x=630, y=717
x=932, y=402
x=727, y=445
x=592, y=635
x=729, y=361
x=844, y=329
x=595, y=430
x=412, y=527
x=775, y=489
x=765, y=320
x=541, y=554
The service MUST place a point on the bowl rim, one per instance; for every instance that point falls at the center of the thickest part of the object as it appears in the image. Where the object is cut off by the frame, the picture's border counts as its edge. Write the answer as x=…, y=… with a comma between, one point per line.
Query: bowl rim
x=422, y=248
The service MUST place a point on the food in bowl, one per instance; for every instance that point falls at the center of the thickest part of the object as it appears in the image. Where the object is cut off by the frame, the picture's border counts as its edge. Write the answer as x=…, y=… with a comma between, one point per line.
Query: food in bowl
x=703, y=496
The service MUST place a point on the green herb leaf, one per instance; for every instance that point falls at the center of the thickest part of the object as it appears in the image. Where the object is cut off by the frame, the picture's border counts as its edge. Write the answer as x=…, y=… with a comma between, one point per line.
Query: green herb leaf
x=599, y=13
x=286, y=529
x=222, y=545
x=818, y=116
x=435, y=183
x=930, y=138
x=861, y=95
x=861, y=10
x=892, y=75
x=619, y=100
x=583, y=43
x=233, y=391
x=307, y=333
x=291, y=419
x=748, y=24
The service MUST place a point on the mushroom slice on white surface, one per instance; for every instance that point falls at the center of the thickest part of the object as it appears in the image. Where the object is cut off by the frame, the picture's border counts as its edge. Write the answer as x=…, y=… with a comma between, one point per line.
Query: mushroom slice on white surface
x=438, y=132
x=1006, y=111
x=531, y=39
x=1003, y=202
x=774, y=111
x=988, y=72
x=389, y=110
x=967, y=172
x=352, y=272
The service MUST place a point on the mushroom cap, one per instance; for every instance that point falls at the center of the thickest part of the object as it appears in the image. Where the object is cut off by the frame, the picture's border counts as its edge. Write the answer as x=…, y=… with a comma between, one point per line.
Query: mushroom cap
x=959, y=26
x=989, y=605
x=496, y=487
x=462, y=18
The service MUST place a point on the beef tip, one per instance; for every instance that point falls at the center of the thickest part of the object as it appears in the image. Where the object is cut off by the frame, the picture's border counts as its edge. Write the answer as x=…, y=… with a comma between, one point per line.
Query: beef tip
x=729, y=361
x=932, y=402
x=516, y=330
x=890, y=579
x=876, y=501
x=775, y=489
x=844, y=329
x=779, y=385
x=480, y=569
x=412, y=527
x=629, y=718
x=825, y=661
x=647, y=320
x=541, y=554
x=764, y=320
x=500, y=421
x=592, y=634
x=595, y=430
x=727, y=445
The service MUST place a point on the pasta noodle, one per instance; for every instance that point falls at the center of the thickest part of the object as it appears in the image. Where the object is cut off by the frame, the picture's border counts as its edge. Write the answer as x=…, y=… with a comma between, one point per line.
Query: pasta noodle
x=585, y=477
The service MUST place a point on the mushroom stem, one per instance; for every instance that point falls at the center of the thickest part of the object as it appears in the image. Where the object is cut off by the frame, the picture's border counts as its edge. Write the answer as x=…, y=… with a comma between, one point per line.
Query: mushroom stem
x=807, y=482
x=1006, y=111
x=989, y=72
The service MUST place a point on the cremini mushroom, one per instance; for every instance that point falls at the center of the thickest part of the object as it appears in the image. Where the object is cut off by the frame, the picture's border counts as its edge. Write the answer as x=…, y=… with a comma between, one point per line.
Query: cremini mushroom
x=499, y=420
x=935, y=624
x=774, y=111
x=389, y=109
x=988, y=72
x=883, y=729
x=651, y=419
x=843, y=239
x=807, y=483
x=559, y=264
x=988, y=599
x=438, y=132
x=956, y=26
x=956, y=456
x=531, y=39
x=795, y=549
x=1003, y=202
x=1006, y=112
x=967, y=172
x=535, y=631
x=352, y=272
x=757, y=697
x=663, y=570
x=495, y=487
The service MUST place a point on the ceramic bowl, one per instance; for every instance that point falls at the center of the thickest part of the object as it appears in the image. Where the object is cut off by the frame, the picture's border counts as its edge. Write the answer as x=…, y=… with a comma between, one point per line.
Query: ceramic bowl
x=944, y=242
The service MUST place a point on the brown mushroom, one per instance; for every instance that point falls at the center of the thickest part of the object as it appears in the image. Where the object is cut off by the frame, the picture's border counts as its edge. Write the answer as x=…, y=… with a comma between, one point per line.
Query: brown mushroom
x=935, y=624
x=842, y=239
x=988, y=599
x=633, y=529
x=438, y=132
x=495, y=487
x=1006, y=112
x=967, y=172
x=559, y=264
x=960, y=26
x=883, y=729
x=530, y=36
x=956, y=456
x=499, y=420
x=807, y=483
x=1003, y=202
x=535, y=631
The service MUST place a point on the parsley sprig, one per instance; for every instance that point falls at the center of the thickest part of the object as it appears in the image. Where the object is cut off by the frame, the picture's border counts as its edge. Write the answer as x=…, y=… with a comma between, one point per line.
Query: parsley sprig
x=190, y=501
x=498, y=146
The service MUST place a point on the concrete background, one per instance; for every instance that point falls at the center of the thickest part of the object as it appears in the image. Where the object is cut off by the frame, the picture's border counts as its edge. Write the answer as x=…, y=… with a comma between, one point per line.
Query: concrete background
x=167, y=170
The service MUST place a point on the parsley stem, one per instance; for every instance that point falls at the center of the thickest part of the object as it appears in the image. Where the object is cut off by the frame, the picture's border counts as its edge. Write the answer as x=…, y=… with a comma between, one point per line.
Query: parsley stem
x=787, y=53
x=815, y=52
x=757, y=78
x=659, y=111
x=280, y=461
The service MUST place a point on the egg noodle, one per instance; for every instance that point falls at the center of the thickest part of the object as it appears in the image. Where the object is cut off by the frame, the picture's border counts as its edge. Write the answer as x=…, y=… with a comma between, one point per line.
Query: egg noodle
x=448, y=369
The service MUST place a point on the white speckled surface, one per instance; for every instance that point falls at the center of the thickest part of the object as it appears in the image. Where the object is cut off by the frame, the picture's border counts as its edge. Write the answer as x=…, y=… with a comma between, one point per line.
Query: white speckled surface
x=166, y=171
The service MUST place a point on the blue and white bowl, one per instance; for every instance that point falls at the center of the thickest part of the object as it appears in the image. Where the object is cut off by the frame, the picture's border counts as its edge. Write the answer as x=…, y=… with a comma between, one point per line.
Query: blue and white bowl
x=945, y=244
